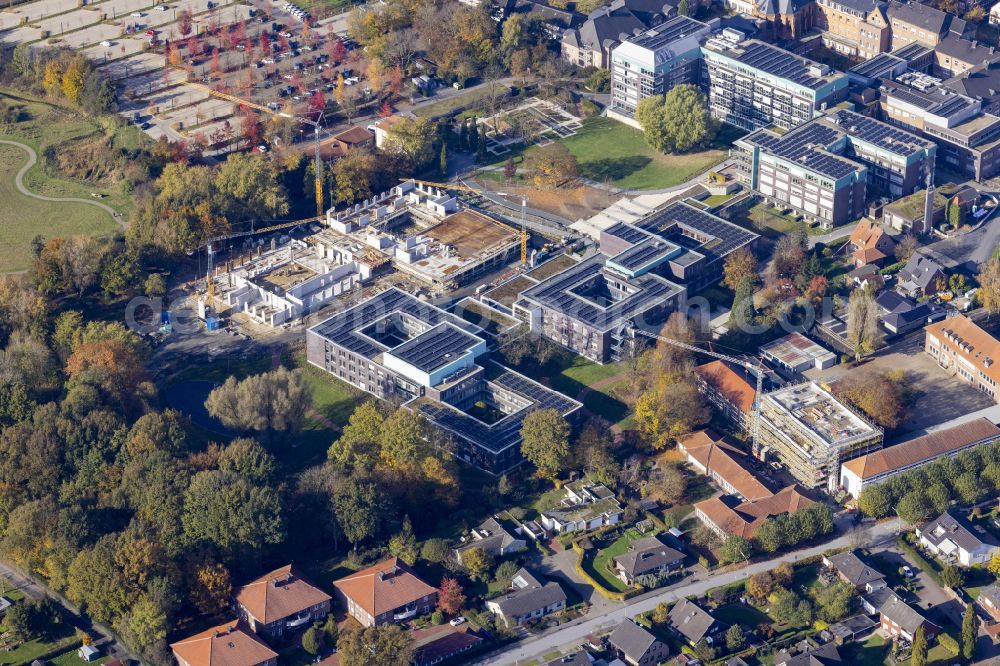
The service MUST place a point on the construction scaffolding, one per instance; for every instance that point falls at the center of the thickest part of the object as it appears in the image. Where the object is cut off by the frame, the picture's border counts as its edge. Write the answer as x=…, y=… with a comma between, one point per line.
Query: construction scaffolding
x=812, y=432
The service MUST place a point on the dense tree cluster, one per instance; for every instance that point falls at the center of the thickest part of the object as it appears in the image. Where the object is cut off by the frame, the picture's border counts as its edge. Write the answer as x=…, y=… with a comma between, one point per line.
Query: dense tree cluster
x=64, y=74
x=677, y=122
x=919, y=494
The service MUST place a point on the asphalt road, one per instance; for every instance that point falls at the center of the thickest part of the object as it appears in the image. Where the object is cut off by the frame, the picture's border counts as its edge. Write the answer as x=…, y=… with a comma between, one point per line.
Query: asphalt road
x=599, y=621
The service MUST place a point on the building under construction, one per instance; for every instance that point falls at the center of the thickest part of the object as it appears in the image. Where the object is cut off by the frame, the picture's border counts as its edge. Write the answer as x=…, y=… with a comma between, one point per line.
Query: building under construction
x=811, y=432
x=427, y=234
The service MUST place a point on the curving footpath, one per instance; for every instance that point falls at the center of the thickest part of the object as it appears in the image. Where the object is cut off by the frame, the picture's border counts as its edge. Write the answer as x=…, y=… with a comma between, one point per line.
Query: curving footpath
x=32, y=160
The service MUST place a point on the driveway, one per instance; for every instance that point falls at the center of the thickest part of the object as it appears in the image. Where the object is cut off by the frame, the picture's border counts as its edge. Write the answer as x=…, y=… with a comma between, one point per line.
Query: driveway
x=562, y=565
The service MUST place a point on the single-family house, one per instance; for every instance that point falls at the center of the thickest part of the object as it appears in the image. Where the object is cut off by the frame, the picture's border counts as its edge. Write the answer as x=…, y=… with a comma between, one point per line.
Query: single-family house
x=899, y=314
x=647, y=556
x=88, y=653
x=807, y=654
x=989, y=601
x=694, y=623
x=386, y=592
x=729, y=390
x=954, y=539
x=357, y=138
x=896, y=617
x=867, y=277
x=528, y=600
x=585, y=507
x=434, y=644
x=850, y=569
x=852, y=629
x=229, y=644
x=578, y=658
x=636, y=646
x=492, y=537
x=870, y=244
x=920, y=276
x=281, y=600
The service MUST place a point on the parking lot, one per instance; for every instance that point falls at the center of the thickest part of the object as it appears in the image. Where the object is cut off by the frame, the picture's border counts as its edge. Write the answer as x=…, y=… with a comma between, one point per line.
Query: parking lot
x=935, y=392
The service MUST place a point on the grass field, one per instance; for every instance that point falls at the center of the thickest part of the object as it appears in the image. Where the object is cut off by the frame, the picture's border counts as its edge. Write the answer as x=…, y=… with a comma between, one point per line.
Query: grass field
x=23, y=217
x=600, y=567
x=608, y=150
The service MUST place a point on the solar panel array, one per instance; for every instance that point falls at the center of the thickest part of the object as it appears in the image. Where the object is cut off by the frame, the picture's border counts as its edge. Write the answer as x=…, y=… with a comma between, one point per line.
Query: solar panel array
x=507, y=431
x=555, y=294
x=780, y=63
x=642, y=254
x=342, y=328
x=675, y=28
x=720, y=237
x=880, y=65
x=805, y=146
x=435, y=348
x=875, y=132
x=937, y=101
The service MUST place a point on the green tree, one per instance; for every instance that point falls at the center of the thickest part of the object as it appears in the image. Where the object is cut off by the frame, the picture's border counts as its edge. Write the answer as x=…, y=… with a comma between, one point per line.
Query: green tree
x=383, y=645
x=835, y=602
x=683, y=9
x=735, y=549
x=677, y=122
x=478, y=563
x=970, y=632
x=312, y=641
x=359, y=506
x=952, y=576
x=918, y=652
x=875, y=501
x=434, y=550
x=354, y=173
x=360, y=440
x=414, y=138
x=269, y=403
x=551, y=165
x=231, y=513
x=155, y=286
x=913, y=507
x=403, y=439
x=145, y=624
x=769, y=537
x=505, y=573
x=863, y=330
x=661, y=613
x=443, y=161
x=403, y=544
x=545, y=441
x=248, y=184
x=735, y=638
x=788, y=608
x=248, y=459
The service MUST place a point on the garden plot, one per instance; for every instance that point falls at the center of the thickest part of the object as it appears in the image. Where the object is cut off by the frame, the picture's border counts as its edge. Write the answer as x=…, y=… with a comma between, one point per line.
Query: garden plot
x=57, y=25
x=23, y=35
x=96, y=34
x=536, y=121
x=35, y=11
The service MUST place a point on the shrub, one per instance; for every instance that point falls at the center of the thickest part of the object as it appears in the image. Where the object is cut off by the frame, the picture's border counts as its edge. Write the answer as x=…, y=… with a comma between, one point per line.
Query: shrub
x=948, y=643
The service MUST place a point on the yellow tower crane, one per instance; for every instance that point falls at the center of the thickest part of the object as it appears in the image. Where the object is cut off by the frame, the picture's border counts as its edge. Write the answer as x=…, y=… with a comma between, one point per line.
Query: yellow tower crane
x=318, y=165
x=472, y=190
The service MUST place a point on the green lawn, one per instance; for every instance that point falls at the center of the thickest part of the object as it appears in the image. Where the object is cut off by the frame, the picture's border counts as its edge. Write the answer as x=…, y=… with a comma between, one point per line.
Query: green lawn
x=601, y=565
x=608, y=150
x=748, y=616
x=333, y=398
x=580, y=373
x=444, y=106
x=717, y=199
x=64, y=636
x=69, y=658
x=23, y=217
x=869, y=653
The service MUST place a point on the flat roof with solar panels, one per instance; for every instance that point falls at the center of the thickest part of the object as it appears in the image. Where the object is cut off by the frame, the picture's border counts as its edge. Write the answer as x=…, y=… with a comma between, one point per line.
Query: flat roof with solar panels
x=884, y=64
x=670, y=31
x=689, y=227
x=929, y=96
x=806, y=146
x=881, y=135
x=586, y=292
x=520, y=395
x=778, y=62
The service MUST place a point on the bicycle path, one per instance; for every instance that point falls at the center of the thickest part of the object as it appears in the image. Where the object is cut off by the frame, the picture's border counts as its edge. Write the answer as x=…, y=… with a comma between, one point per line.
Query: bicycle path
x=32, y=160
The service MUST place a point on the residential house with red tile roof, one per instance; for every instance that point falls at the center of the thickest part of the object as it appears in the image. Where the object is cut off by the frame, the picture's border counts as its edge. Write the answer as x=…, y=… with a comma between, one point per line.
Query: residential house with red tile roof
x=432, y=645
x=281, y=600
x=387, y=592
x=729, y=390
x=713, y=456
x=229, y=644
x=727, y=515
x=870, y=245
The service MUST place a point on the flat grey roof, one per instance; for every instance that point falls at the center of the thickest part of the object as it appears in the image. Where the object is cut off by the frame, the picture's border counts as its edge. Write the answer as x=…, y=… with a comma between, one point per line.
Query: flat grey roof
x=675, y=28
x=878, y=66
x=779, y=62
x=806, y=146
